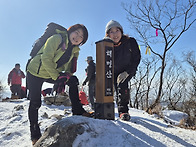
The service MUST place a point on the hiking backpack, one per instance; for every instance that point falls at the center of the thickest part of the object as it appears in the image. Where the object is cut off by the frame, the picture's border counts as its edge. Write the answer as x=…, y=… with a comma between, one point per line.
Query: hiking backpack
x=50, y=30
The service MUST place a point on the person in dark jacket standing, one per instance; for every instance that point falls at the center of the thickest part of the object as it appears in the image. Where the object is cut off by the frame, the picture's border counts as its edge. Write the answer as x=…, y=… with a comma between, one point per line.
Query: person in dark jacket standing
x=126, y=60
x=55, y=65
x=15, y=79
x=90, y=71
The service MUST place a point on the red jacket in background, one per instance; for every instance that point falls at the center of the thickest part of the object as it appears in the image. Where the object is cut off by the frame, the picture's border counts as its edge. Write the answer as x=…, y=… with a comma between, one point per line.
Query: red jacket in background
x=15, y=77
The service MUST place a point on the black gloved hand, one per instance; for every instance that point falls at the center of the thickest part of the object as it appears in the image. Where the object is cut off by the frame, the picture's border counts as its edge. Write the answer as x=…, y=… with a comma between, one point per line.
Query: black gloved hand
x=84, y=83
x=61, y=82
x=63, y=77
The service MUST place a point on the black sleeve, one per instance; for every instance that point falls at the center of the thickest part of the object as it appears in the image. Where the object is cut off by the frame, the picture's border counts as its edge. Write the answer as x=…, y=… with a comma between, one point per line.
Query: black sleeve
x=90, y=72
x=135, y=57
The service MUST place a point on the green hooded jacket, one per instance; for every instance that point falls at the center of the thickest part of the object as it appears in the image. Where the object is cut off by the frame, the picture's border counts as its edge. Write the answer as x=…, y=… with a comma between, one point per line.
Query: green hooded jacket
x=44, y=64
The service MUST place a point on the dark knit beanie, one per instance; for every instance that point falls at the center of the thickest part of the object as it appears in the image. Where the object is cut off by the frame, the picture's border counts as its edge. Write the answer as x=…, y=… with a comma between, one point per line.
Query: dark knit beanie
x=112, y=23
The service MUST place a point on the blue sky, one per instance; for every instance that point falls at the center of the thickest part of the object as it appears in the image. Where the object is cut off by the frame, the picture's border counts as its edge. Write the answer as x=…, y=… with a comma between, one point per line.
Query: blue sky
x=22, y=22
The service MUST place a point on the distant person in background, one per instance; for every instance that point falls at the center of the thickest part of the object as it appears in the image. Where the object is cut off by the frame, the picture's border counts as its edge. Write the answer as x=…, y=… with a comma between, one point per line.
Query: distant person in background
x=126, y=60
x=90, y=72
x=15, y=80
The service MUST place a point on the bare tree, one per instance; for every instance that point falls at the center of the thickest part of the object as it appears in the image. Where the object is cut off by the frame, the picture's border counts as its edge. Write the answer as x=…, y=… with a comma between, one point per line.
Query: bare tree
x=190, y=58
x=189, y=105
x=175, y=85
x=142, y=84
x=170, y=18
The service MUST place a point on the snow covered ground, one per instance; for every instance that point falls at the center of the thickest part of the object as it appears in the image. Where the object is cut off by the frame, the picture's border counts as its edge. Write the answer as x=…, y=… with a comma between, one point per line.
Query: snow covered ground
x=143, y=130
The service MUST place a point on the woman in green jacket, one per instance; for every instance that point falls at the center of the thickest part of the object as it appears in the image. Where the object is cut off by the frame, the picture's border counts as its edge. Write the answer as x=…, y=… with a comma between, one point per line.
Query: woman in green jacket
x=55, y=63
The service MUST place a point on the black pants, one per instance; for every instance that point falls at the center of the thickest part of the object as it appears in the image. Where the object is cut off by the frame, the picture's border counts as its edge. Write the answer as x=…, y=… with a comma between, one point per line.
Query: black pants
x=16, y=89
x=122, y=95
x=35, y=86
x=91, y=92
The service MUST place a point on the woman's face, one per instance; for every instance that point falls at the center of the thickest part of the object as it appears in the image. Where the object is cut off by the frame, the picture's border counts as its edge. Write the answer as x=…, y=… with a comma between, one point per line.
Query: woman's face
x=115, y=34
x=76, y=37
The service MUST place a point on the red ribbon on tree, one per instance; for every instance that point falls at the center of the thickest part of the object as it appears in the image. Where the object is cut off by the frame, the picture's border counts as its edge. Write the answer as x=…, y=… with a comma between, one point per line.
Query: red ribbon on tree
x=156, y=32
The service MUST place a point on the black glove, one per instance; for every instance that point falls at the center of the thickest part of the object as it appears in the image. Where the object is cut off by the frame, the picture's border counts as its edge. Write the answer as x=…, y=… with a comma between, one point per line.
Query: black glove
x=63, y=77
x=61, y=82
x=84, y=83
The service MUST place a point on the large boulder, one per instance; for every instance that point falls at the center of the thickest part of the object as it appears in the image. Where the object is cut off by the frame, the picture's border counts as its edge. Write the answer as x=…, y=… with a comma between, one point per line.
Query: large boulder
x=64, y=132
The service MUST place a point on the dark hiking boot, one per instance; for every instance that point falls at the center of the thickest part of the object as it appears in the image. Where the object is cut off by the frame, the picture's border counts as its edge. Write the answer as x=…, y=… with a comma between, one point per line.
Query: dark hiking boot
x=125, y=116
x=88, y=114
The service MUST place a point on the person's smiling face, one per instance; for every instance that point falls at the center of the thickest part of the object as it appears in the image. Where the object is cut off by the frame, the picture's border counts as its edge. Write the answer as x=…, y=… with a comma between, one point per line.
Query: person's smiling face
x=76, y=37
x=115, y=34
